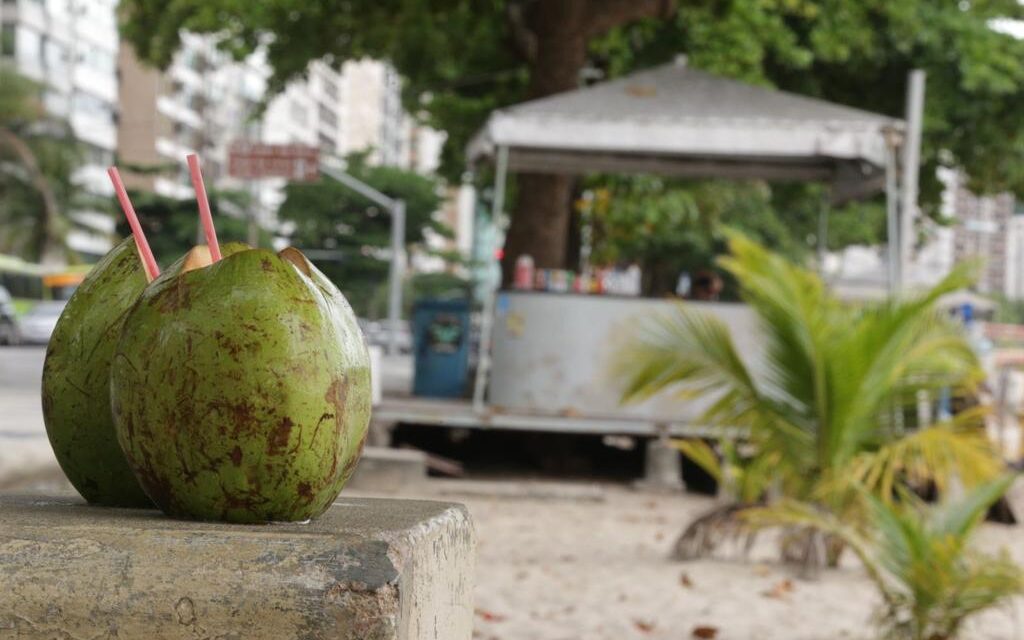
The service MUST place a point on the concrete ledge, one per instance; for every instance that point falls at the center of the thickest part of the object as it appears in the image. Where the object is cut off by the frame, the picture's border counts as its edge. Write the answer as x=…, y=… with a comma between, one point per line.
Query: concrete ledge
x=368, y=569
x=385, y=469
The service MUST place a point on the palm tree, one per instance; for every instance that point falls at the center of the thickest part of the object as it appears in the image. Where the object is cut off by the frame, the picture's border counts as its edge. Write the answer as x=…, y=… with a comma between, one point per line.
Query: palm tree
x=21, y=111
x=823, y=404
x=918, y=558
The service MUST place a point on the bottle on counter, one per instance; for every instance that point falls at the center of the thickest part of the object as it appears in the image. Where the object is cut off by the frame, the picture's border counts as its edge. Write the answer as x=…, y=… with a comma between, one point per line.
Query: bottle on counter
x=523, y=278
x=558, y=280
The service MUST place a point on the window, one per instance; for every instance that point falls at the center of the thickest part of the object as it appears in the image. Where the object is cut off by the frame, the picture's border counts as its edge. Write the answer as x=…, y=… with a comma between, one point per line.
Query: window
x=93, y=107
x=197, y=102
x=98, y=155
x=328, y=117
x=55, y=57
x=98, y=59
x=22, y=285
x=330, y=87
x=7, y=39
x=327, y=142
x=200, y=63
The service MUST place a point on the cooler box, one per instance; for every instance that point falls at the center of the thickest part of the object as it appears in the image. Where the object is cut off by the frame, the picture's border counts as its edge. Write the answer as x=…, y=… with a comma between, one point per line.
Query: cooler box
x=441, y=347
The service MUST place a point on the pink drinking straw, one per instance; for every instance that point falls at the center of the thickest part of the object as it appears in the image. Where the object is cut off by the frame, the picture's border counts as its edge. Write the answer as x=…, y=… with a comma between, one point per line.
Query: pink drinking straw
x=148, y=262
x=204, y=206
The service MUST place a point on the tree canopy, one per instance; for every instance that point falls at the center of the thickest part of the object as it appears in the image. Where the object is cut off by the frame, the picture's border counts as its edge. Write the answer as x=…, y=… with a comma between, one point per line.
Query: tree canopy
x=171, y=225
x=462, y=58
x=348, y=236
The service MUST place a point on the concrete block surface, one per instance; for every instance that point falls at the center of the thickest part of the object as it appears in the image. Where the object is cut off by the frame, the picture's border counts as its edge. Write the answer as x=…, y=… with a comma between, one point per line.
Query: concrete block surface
x=368, y=569
x=385, y=469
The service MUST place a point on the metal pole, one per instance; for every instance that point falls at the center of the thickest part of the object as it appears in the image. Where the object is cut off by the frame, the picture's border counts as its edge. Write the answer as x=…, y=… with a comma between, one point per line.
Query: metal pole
x=891, y=216
x=911, y=169
x=396, y=273
x=253, y=229
x=822, y=234
x=487, y=321
x=358, y=186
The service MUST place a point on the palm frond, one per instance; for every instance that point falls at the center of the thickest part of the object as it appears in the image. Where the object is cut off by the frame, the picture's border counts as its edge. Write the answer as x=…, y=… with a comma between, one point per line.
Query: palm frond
x=938, y=453
x=820, y=399
x=690, y=350
x=958, y=518
x=917, y=556
x=701, y=453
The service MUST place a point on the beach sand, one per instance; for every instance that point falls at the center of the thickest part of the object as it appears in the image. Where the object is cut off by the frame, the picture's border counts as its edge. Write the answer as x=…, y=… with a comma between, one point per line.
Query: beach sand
x=563, y=568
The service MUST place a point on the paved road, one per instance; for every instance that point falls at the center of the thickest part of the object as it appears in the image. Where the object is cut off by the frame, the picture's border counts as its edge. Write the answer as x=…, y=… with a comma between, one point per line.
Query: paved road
x=24, y=449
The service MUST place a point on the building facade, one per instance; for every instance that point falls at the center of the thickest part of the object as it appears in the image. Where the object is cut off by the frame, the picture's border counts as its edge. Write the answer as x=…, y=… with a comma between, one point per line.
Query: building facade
x=70, y=48
x=150, y=119
x=205, y=101
x=200, y=104
x=988, y=230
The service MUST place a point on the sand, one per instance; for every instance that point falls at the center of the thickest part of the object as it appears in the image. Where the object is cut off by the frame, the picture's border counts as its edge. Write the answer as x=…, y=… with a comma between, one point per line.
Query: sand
x=593, y=564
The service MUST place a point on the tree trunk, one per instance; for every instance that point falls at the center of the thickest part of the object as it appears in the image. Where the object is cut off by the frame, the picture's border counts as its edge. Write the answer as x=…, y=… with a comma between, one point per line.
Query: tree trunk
x=558, y=35
x=540, y=220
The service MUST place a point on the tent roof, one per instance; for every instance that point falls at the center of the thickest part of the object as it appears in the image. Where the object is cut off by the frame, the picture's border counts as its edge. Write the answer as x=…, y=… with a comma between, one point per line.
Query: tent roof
x=676, y=120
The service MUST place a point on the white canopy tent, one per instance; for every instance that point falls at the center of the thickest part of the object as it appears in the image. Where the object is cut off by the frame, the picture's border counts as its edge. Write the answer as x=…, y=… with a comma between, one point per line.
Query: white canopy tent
x=676, y=120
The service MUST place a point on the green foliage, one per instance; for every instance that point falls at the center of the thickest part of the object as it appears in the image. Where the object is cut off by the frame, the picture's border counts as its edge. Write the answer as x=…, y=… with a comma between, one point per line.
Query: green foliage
x=20, y=101
x=744, y=479
x=463, y=58
x=822, y=394
x=858, y=53
x=912, y=459
x=670, y=226
x=37, y=153
x=1010, y=311
x=353, y=233
x=918, y=557
x=172, y=225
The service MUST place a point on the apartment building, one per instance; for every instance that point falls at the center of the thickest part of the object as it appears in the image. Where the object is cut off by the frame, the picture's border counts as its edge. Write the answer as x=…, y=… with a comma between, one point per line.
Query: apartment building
x=202, y=102
x=70, y=48
x=205, y=100
x=987, y=229
x=373, y=118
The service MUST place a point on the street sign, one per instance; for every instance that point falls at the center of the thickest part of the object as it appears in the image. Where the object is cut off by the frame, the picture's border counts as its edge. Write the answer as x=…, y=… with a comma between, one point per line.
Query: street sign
x=296, y=162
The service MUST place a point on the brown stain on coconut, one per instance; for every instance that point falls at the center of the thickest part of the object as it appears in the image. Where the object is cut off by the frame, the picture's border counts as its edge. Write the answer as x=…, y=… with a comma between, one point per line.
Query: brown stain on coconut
x=279, y=436
x=336, y=396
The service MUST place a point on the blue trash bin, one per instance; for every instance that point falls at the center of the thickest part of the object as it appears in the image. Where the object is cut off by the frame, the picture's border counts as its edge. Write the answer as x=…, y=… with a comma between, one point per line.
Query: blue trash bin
x=441, y=346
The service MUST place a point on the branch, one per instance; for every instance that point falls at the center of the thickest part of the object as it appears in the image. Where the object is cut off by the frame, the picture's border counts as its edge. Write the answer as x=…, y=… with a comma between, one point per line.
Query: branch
x=523, y=38
x=605, y=15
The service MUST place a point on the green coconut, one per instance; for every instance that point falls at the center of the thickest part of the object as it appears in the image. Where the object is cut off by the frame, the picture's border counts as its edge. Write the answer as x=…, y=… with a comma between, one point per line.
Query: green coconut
x=76, y=381
x=241, y=389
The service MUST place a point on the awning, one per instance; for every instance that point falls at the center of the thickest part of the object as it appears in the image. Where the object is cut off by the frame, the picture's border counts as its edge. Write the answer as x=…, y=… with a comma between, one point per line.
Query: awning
x=675, y=120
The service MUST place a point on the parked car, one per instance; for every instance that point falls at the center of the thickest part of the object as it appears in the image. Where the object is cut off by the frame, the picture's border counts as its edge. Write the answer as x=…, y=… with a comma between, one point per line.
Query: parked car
x=9, y=333
x=37, y=325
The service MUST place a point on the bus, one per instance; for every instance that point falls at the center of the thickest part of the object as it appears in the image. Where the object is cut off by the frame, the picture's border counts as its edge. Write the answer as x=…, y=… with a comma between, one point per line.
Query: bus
x=28, y=282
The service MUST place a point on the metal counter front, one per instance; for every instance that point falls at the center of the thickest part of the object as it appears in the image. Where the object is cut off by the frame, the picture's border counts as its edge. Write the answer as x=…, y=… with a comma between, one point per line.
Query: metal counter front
x=553, y=353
